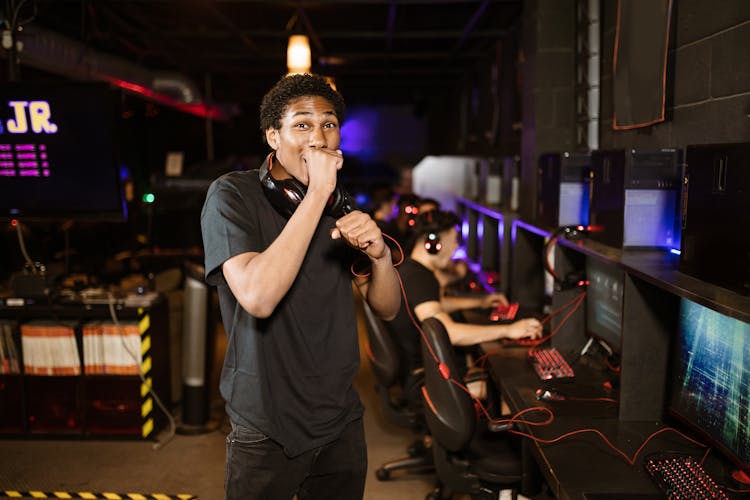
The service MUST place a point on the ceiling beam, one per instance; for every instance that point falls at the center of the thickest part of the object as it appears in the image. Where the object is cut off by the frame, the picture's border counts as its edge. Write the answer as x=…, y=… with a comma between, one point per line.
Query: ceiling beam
x=232, y=27
x=314, y=3
x=346, y=57
x=401, y=35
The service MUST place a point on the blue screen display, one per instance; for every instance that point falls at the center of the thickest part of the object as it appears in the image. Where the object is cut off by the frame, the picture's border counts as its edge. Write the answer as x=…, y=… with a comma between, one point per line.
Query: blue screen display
x=604, y=298
x=711, y=384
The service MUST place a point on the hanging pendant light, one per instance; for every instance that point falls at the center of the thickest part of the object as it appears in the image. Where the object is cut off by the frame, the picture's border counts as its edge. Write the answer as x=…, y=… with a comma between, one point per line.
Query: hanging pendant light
x=298, y=57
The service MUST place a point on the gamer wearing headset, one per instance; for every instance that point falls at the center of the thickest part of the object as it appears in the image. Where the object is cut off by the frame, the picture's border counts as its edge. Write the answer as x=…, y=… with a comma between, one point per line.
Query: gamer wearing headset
x=274, y=246
x=435, y=239
x=456, y=269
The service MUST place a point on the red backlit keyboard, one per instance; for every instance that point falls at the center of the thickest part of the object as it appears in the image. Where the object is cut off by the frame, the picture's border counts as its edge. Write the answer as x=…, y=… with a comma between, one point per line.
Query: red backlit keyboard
x=503, y=312
x=549, y=364
x=682, y=477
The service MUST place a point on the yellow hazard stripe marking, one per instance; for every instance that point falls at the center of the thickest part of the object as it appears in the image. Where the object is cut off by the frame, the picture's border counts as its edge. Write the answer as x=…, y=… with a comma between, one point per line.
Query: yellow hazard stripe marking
x=145, y=344
x=147, y=428
x=146, y=365
x=145, y=387
x=144, y=324
x=146, y=407
x=88, y=495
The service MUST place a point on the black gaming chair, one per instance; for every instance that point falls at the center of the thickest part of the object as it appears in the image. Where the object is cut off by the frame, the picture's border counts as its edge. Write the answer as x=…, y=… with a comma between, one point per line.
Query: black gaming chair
x=400, y=404
x=469, y=458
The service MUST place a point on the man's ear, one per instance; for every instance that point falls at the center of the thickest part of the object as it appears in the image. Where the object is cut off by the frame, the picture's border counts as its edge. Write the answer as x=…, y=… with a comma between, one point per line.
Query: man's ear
x=272, y=138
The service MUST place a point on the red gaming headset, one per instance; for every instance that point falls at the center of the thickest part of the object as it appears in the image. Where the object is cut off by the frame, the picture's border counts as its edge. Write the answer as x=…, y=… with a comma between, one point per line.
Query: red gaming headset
x=432, y=243
x=431, y=224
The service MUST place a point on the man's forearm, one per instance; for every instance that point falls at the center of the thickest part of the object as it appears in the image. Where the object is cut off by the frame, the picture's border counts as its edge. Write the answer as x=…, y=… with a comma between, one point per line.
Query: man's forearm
x=384, y=291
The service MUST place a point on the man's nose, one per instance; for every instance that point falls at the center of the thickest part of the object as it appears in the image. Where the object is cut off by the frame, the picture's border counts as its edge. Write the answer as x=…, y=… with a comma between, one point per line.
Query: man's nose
x=317, y=138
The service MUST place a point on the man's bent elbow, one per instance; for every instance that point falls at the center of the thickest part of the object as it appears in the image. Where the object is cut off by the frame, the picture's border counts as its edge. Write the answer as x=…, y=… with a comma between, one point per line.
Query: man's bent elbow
x=256, y=307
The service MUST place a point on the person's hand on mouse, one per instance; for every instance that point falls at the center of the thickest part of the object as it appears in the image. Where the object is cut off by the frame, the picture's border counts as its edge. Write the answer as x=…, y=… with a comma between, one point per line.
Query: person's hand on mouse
x=530, y=328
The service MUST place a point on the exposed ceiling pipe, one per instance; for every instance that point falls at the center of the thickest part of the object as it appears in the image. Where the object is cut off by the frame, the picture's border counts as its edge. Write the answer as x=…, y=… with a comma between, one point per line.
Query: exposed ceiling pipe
x=57, y=54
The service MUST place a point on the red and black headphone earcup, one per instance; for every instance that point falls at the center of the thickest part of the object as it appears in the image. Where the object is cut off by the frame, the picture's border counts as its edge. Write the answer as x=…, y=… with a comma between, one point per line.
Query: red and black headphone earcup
x=284, y=195
x=432, y=243
x=340, y=203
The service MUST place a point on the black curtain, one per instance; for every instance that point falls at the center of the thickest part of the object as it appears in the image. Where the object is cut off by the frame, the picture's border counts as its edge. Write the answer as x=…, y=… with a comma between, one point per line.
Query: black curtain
x=640, y=62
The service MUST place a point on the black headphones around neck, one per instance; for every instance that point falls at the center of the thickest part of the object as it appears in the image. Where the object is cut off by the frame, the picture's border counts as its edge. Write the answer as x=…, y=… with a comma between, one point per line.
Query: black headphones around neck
x=286, y=194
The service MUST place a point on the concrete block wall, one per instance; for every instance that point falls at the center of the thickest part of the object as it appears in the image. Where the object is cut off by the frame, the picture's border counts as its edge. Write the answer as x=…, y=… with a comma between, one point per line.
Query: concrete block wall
x=548, y=99
x=708, y=86
x=710, y=78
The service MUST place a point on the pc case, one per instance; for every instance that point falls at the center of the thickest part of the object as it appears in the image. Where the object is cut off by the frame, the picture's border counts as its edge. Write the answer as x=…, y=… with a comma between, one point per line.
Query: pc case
x=634, y=197
x=563, y=189
x=716, y=215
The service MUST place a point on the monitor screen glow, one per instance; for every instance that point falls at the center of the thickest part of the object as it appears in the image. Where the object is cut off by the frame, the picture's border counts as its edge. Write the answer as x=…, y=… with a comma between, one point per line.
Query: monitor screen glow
x=711, y=379
x=604, y=301
x=57, y=152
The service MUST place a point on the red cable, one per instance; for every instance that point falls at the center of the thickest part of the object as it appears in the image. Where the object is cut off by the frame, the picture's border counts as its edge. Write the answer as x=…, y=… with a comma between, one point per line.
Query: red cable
x=577, y=301
x=629, y=460
x=396, y=264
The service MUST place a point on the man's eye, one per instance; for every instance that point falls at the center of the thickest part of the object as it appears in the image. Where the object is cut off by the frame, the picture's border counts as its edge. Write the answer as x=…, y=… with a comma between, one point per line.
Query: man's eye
x=301, y=125
x=330, y=125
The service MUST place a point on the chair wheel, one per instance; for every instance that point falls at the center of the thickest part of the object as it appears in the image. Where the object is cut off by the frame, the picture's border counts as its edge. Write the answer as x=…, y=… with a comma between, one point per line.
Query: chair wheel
x=382, y=474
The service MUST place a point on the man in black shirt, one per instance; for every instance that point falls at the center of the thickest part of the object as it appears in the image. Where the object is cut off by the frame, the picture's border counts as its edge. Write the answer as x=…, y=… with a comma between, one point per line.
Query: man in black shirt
x=274, y=243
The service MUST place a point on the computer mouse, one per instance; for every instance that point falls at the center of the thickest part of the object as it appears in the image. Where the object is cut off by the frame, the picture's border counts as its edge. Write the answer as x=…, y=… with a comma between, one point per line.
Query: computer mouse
x=548, y=395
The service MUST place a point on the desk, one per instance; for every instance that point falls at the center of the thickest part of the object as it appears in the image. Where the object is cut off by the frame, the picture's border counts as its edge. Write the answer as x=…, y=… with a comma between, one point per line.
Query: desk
x=583, y=467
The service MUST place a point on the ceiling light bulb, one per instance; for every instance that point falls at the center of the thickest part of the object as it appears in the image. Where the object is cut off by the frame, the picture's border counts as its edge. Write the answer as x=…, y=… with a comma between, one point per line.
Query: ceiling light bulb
x=298, y=57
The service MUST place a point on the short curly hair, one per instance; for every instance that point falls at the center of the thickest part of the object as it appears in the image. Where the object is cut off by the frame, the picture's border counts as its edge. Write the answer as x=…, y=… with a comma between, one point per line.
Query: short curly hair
x=291, y=87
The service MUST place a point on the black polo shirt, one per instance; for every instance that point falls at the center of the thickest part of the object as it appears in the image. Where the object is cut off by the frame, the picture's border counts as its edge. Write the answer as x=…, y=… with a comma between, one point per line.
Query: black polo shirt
x=290, y=375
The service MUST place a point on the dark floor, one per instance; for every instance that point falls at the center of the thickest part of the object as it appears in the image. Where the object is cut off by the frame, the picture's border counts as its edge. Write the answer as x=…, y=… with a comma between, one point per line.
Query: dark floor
x=185, y=464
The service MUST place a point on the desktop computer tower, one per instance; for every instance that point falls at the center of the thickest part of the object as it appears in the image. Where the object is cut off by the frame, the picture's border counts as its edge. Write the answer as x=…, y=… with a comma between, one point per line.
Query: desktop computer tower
x=563, y=194
x=634, y=197
x=716, y=215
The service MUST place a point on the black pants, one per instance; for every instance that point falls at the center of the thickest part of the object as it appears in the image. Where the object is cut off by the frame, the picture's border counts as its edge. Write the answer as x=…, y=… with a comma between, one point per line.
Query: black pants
x=257, y=467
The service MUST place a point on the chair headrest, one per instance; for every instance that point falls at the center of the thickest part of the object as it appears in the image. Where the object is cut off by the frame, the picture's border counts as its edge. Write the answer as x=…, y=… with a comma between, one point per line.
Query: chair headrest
x=449, y=410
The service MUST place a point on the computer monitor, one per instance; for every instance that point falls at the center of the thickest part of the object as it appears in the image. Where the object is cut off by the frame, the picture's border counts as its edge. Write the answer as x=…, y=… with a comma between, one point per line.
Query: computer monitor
x=710, y=383
x=604, y=302
x=491, y=238
x=470, y=234
x=57, y=152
